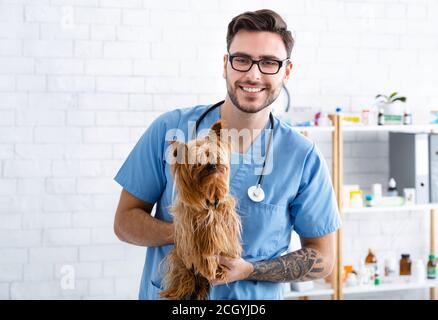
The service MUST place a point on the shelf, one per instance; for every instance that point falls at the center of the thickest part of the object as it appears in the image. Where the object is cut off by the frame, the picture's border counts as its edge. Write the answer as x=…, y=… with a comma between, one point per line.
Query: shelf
x=400, y=128
x=314, y=129
x=391, y=287
x=385, y=128
x=384, y=287
x=318, y=290
x=324, y=289
x=416, y=207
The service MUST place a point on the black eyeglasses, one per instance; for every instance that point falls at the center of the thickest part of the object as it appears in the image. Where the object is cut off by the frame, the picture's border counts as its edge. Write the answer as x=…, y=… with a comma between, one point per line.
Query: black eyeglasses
x=266, y=66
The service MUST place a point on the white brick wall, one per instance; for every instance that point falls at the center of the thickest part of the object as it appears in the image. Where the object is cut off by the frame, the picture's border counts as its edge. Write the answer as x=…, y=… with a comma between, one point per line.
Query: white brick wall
x=80, y=81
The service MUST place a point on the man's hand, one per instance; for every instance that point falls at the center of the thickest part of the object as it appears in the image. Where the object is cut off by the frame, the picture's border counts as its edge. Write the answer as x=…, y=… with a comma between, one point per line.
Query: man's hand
x=235, y=269
x=315, y=260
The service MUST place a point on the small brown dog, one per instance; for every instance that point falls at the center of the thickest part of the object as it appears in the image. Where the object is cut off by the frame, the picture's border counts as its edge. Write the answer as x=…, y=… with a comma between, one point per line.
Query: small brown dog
x=205, y=220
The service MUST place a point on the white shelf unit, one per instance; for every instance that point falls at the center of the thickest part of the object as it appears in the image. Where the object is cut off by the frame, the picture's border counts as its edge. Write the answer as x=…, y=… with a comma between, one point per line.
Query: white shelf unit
x=398, y=286
x=373, y=128
x=384, y=287
x=326, y=290
x=337, y=291
x=408, y=208
x=319, y=290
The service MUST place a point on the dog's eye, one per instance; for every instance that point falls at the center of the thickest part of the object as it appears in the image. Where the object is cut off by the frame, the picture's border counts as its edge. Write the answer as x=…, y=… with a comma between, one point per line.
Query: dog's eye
x=207, y=153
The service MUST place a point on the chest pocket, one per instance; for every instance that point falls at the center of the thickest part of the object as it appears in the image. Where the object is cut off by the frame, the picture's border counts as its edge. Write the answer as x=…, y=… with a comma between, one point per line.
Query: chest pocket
x=264, y=227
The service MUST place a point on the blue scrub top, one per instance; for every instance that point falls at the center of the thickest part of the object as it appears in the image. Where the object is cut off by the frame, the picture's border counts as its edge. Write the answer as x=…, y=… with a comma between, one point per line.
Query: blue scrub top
x=298, y=195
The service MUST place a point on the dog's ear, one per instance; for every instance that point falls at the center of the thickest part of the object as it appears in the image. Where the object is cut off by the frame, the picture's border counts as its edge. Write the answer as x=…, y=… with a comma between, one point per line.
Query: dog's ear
x=178, y=149
x=216, y=128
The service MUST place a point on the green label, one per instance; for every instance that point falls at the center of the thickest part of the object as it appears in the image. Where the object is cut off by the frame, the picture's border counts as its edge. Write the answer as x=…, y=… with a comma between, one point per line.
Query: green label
x=393, y=119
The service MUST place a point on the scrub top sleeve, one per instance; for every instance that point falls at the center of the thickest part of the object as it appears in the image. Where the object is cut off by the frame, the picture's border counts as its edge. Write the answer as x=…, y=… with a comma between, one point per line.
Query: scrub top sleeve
x=143, y=172
x=314, y=209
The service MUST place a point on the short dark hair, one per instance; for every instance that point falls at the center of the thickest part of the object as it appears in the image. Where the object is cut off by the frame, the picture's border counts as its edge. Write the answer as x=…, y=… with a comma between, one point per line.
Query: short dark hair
x=261, y=20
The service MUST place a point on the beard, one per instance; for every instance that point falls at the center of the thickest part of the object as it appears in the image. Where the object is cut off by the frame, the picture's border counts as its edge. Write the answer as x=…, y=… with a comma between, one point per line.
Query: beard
x=271, y=96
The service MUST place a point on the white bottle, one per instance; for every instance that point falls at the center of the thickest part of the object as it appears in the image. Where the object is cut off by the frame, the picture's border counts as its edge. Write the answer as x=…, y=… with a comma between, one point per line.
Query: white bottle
x=356, y=201
x=392, y=188
x=363, y=275
x=352, y=280
x=324, y=120
x=390, y=269
x=418, y=271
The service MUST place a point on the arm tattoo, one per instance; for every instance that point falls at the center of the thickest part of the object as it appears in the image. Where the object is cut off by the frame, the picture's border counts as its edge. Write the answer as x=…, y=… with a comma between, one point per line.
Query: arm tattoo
x=301, y=265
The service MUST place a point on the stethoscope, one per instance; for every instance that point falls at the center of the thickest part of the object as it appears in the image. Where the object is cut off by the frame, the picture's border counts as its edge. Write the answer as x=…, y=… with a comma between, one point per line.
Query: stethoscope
x=255, y=193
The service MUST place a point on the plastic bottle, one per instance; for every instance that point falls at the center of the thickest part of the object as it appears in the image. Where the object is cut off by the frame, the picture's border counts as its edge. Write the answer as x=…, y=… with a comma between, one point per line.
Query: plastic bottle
x=407, y=118
x=368, y=200
x=376, y=279
x=377, y=193
x=365, y=117
x=356, y=200
x=324, y=120
x=431, y=267
x=390, y=269
x=392, y=188
x=352, y=280
x=363, y=277
x=418, y=271
x=371, y=263
x=381, y=117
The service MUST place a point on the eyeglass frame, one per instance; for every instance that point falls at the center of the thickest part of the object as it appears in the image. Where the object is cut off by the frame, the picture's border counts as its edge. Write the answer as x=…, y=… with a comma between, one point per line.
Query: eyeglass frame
x=257, y=62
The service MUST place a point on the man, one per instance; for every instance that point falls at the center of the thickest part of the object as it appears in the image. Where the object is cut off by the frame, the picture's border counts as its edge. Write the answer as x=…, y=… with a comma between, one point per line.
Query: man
x=298, y=192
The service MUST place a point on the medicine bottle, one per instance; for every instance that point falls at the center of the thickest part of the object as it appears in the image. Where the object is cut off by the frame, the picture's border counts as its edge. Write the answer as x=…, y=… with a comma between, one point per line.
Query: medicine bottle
x=376, y=279
x=365, y=117
x=368, y=200
x=392, y=188
x=381, y=118
x=371, y=264
x=370, y=258
x=405, y=265
x=407, y=118
x=431, y=267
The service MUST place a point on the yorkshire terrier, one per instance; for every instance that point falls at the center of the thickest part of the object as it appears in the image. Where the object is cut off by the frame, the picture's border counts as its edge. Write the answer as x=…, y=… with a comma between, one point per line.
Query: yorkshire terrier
x=205, y=220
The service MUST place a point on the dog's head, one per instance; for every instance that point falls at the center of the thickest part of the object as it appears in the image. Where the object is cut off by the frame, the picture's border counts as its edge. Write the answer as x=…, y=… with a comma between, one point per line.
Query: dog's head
x=201, y=169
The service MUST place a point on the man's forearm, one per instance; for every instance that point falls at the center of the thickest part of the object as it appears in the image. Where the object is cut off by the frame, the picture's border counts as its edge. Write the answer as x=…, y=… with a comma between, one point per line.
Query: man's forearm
x=301, y=265
x=140, y=228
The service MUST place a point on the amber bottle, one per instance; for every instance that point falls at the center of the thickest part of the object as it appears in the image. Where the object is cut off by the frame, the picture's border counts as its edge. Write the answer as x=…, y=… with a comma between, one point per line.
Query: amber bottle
x=370, y=258
x=371, y=264
x=405, y=265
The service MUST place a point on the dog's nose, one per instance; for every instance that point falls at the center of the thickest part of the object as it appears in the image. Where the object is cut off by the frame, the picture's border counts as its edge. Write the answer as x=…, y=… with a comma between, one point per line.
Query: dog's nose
x=211, y=167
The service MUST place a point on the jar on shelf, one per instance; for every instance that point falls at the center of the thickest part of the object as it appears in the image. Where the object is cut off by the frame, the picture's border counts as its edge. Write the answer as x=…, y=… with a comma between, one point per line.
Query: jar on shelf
x=390, y=269
x=405, y=265
x=371, y=263
x=419, y=271
x=368, y=200
x=365, y=117
x=431, y=267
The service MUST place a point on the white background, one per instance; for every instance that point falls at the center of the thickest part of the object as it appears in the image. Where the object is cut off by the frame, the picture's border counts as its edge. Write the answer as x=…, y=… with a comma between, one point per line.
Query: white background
x=80, y=81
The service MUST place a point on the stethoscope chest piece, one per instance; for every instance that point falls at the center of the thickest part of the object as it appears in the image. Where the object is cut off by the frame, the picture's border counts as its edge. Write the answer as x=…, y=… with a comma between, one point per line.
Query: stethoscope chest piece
x=256, y=193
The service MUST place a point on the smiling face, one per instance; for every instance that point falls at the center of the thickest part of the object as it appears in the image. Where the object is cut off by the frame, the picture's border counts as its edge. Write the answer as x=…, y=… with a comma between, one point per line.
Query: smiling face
x=252, y=91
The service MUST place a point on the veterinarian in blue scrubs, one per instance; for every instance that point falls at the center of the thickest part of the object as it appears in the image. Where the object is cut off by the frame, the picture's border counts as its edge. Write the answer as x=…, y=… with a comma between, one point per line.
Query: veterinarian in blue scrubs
x=297, y=185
